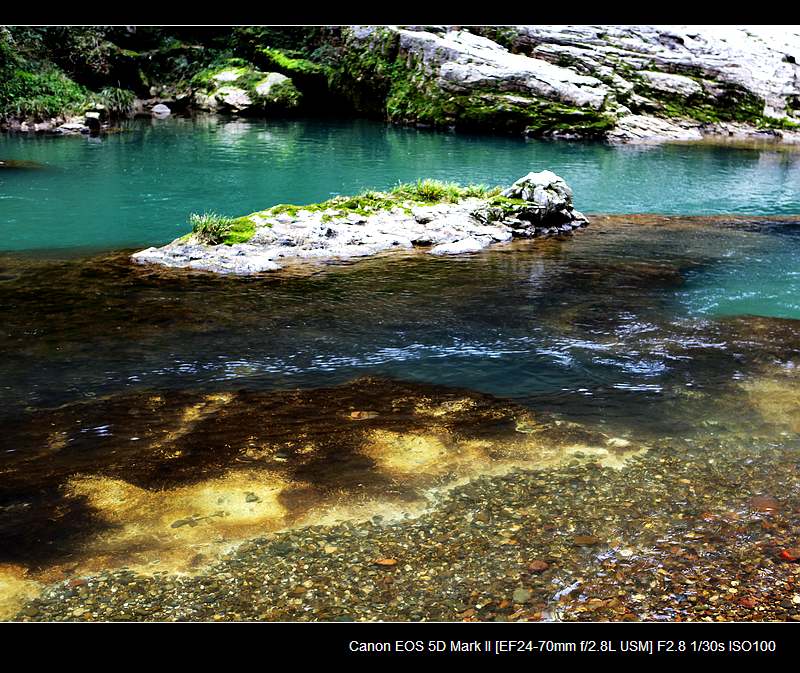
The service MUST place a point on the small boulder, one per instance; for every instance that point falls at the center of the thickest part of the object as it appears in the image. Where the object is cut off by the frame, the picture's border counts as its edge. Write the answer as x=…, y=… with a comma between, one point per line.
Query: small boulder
x=160, y=111
x=265, y=86
x=234, y=98
x=543, y=188
x=549, y=196
x=93, y=121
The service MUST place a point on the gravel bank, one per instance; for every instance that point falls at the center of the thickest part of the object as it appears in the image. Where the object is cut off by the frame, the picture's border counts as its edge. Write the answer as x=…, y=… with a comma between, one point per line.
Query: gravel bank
x=690, y=535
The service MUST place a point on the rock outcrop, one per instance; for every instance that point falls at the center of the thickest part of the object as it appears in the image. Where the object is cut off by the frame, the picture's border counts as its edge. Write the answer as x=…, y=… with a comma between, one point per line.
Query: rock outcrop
x=457, y=78
x=629, y=83
x=465, y=221
x=620, y=83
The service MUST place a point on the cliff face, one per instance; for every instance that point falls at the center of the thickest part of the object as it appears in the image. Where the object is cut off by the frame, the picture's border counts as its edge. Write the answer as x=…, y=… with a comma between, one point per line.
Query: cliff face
x=616, y=82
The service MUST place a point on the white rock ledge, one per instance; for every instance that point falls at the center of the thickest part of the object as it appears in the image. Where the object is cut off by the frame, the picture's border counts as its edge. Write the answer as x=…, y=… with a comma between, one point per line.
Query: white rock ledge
x=541, y=206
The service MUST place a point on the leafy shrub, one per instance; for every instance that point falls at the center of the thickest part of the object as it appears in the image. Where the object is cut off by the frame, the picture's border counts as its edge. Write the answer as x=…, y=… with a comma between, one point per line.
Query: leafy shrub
x=118, y=102
x=41, y=94
x=211, y=228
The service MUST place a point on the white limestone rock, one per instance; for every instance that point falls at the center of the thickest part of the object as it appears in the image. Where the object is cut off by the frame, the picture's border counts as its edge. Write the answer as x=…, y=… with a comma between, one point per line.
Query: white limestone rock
x=672, y=84
x=264, y=87
x=462, y=247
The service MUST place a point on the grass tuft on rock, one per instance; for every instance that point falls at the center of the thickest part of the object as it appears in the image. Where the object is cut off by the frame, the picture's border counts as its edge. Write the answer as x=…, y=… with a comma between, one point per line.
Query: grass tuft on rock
x=437, y=191
x=119, y=102
x=214, y=229
x=210, y=228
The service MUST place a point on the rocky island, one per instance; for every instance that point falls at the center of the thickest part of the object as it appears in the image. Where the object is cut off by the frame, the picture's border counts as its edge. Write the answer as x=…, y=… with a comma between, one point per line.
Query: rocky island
x=442, y=218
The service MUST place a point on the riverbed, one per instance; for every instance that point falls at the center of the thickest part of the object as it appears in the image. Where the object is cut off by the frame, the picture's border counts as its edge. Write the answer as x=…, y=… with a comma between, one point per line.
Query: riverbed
x=597, y=426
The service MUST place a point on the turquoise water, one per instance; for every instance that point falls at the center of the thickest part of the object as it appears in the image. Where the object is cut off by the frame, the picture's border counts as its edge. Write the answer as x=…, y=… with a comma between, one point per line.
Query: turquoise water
x=137, y=187
x=758, y=275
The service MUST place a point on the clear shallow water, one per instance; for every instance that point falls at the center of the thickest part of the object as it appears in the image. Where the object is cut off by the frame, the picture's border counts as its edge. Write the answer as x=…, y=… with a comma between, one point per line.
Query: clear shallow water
x=759, y=275
x=614, y=317
x=137, y=187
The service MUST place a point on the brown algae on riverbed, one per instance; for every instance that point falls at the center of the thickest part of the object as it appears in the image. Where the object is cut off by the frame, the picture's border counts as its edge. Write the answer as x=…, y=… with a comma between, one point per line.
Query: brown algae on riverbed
x=146, y=480
x=670, y=537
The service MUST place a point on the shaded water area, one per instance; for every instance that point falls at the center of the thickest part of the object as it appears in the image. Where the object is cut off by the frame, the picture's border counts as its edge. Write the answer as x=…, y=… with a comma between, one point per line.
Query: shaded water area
x=601, y=426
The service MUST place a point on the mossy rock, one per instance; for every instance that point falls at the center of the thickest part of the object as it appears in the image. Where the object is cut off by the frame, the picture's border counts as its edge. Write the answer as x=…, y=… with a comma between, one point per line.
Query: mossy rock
x=245, y=89
x=381, y=80
x=277, y=90
x=404, y=196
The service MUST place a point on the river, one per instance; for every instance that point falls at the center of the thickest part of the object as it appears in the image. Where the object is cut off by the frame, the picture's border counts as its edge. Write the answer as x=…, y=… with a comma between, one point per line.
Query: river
x=665, y=331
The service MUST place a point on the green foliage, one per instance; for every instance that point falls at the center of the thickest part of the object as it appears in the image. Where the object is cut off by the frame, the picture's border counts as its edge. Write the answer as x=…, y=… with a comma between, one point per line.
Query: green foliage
x=366, y=76
x=423, y=192
x=436, y=191
x=40, y=95
x=8, y=57
x=81, y=49
x=249, y=39
x=211, y=228
x=118, y=102
x=325, y=55
x=278, y=61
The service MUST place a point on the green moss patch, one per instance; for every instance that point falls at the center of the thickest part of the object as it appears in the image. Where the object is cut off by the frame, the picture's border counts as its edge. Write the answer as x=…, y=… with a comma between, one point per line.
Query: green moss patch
x=214, y=229
x=205, y=78
x=282, y=94
x=733, y=104
x=241, y=231
x=278, y=61
x=421, y=192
